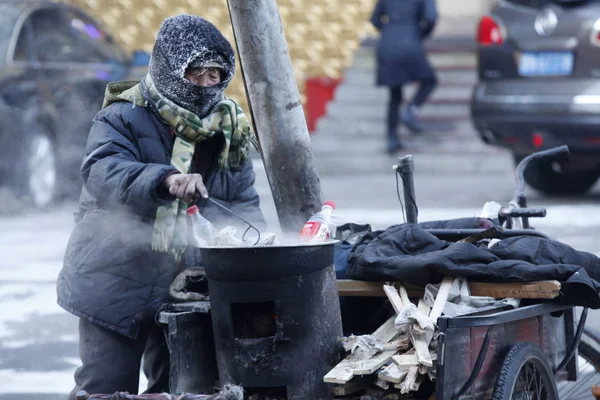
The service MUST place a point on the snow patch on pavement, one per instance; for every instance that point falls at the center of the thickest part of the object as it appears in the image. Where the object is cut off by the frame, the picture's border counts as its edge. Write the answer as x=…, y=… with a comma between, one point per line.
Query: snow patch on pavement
x=22, y=302
x=55, y=382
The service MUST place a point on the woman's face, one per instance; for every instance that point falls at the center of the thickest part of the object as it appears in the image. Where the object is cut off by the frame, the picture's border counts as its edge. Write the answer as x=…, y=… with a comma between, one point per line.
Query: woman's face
x=204, y=76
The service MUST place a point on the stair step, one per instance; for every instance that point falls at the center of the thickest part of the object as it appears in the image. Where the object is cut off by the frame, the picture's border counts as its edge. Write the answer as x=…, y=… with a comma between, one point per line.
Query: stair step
x=366, y=58
x=375, y=111
x=376, y=94
x=366, y=76
x=425, y=162
x=364, y=145
x=441, y=127
x=345, y=126
x=437, y=44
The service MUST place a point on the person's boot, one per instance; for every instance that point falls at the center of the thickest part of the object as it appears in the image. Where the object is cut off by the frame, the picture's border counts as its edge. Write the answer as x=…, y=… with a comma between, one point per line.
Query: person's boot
x=409, y=118
x=393, y=142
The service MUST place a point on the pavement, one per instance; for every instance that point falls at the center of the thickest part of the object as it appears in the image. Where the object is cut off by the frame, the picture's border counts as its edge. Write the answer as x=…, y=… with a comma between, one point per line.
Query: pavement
x=38, y=340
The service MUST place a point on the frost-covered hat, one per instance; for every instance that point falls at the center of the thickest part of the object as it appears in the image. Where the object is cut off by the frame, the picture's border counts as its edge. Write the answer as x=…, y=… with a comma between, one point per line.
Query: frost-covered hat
x=187, y=41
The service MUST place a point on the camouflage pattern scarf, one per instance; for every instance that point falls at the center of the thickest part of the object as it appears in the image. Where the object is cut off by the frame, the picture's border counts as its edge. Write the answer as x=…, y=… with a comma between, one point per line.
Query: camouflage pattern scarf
x=226, y=118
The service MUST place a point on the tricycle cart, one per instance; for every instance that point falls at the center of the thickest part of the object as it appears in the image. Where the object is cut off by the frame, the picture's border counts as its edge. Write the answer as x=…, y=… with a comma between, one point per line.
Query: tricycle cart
x=501, y=352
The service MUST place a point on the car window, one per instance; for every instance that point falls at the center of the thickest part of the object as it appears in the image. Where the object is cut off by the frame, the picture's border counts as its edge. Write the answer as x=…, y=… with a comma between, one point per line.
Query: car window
x=54, y=41
x=8, y=17
x=96, y=44
x=543, y=3
x=526, y=3
x=23, y=46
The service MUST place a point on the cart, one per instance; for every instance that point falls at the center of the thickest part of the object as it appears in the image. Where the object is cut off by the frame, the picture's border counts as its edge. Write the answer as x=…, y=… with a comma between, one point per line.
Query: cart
x=536, y=351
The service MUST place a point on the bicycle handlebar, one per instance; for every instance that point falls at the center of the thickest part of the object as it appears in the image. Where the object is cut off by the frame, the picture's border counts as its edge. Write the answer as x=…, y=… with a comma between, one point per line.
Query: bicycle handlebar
x=554, y=153
x=522, y=212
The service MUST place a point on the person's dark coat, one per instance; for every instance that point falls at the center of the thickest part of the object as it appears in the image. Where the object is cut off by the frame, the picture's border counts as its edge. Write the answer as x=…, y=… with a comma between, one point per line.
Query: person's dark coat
x=403, y=25
x=111, y=276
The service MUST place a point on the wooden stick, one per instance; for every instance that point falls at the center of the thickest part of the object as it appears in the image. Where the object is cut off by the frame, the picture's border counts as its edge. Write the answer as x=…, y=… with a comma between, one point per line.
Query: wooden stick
x=420, y=340
x=366, y=367
x=423, y=308
x=401, y=343
x=394, y=298
x=404, y=295
x=393, y=373
x=409, y=381
x=364, y=360
x=404, y=361
x=386, y=332
x=441, y=299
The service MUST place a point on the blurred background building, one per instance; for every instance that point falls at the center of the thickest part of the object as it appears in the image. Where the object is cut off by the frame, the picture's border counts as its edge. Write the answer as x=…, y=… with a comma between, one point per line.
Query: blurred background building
x=322, y=35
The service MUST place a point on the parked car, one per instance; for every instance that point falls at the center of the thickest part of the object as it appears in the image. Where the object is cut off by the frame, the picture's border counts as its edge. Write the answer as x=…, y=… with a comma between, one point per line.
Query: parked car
x=539, y=87
x=55, y=63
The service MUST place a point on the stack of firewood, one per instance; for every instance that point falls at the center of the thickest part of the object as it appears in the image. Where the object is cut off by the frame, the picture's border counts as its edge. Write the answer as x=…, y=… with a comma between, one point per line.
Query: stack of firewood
x=400, y=354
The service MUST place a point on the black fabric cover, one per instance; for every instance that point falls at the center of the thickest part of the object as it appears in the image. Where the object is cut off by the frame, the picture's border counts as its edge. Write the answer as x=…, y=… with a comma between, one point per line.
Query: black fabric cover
x=411, y=254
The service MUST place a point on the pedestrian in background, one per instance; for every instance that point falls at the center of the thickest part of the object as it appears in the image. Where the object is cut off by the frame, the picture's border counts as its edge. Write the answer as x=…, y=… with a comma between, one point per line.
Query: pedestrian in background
x=401, y=59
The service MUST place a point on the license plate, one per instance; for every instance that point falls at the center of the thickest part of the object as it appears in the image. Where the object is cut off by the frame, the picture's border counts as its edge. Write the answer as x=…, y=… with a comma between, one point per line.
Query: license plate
x=546, y=64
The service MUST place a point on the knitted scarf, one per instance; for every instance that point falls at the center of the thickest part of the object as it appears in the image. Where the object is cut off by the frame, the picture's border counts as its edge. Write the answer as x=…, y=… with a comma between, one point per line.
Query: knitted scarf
x=226, y=118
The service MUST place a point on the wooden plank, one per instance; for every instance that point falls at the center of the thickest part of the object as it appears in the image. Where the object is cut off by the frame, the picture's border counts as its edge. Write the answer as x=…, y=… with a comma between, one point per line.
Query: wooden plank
x=393, y=373
x=404, y=295
x=402, y=342
x=343, y=372
x=410, y=382
x=528, y=290
x=356, y=384
x=420, y=339
x=386, y=332
x=352, y=288
x=371, y=365
x=405, y=360
x=409, y=360
x=394, y=298
x=423, y=308
x=525, y=290
x=441, y=299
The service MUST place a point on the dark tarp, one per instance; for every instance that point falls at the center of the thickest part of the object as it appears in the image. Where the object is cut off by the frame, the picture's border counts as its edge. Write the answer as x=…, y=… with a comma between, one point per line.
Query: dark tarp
x=409, y=253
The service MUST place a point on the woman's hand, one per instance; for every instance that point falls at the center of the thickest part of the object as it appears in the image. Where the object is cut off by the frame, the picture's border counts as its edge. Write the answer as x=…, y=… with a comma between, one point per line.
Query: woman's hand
x=186, y=187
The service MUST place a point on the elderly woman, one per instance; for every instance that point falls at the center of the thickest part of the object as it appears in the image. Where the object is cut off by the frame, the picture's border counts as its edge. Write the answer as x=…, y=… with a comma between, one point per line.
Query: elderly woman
x=401, y=59
x=155, y=148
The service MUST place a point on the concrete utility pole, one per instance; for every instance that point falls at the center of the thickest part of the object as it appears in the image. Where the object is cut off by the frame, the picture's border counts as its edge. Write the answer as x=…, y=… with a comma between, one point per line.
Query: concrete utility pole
x=276, y=110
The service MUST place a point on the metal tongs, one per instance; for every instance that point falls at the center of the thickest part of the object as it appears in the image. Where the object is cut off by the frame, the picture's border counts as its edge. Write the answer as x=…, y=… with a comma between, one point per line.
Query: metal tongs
x=250, y=226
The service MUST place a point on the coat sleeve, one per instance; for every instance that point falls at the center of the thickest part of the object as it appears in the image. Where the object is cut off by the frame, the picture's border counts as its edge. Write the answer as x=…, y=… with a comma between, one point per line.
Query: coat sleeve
x=246, y=202
x=428, y=17
x=378, y=13
x=112, y=170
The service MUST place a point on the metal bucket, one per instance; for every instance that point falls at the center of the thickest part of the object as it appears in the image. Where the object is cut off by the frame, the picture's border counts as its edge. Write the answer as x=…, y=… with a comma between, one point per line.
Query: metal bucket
x=276, y=317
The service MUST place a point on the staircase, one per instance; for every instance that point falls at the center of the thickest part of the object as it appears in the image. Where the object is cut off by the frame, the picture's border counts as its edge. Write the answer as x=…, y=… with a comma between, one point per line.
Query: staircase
x=350, y=138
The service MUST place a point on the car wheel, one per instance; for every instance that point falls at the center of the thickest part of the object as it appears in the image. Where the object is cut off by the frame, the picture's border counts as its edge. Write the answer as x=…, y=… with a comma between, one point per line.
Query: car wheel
x=548, y=179
x=38, y=183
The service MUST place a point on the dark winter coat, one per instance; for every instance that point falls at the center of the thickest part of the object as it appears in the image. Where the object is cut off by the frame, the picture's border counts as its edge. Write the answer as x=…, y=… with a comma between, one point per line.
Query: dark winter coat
x=410, y=254
x=111, y=276
x=403, y=25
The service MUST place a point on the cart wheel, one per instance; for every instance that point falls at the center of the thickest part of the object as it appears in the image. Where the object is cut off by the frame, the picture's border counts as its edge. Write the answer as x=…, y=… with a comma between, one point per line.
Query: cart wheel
x=525, y=375
x=588, y=371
